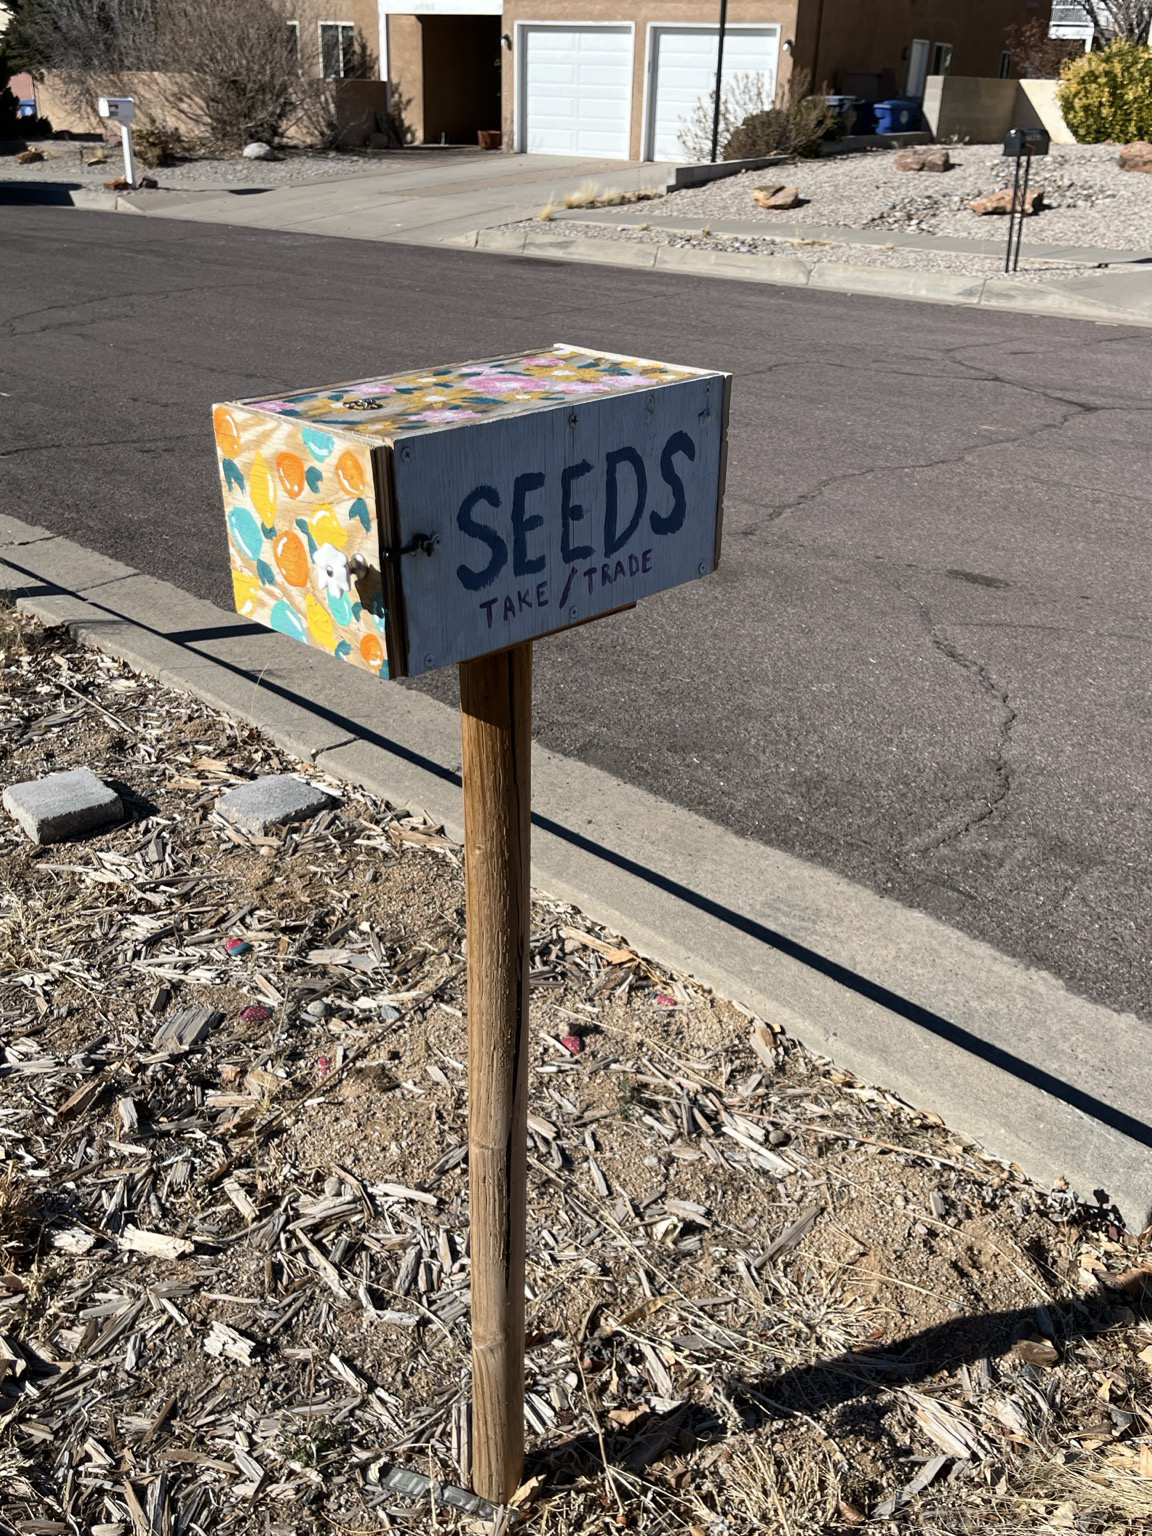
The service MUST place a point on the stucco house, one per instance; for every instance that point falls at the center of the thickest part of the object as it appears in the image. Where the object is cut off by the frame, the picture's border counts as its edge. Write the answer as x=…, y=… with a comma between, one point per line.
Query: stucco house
x=614, y=78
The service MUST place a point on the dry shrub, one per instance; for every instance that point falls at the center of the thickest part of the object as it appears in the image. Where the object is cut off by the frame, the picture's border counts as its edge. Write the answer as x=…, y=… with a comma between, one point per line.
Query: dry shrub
x=156, y=145
x=798, y=129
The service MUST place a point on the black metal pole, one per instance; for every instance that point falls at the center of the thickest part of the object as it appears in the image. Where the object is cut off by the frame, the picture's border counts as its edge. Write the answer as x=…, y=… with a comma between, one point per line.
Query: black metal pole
x=719, y=70
x=1023, y=205
x=1012, y=217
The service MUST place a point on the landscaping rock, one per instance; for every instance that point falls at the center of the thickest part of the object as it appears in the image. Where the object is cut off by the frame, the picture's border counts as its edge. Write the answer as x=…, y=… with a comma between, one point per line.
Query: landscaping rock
x=775, y=197
x=259, y=151
x=1001, y=202
x=118, y=184
x=28, y=156
x=272, y=801
x=63, y=805
x=922, y=160
x=1136, y=157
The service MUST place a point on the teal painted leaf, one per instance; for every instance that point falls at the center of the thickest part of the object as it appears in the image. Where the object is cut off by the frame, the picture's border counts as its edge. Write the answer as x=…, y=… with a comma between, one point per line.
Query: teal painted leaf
x=265, y=572
x=233, y=479
x=318, y=444
x=357, y=610
x=284, y=618
x=343, y=649
x=245, y=531
x=314, y=477
x=358, y=512
x=268, y=530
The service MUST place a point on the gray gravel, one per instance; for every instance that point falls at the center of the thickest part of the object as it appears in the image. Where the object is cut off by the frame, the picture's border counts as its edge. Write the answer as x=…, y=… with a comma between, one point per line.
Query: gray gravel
x=813, y=252
x=64, y=161
x=1092, y=202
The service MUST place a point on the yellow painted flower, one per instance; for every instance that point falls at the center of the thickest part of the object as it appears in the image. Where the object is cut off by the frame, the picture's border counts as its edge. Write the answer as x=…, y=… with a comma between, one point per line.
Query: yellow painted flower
x=326, y=528
x=262, y=488
x=319, y=622
x=244, y=590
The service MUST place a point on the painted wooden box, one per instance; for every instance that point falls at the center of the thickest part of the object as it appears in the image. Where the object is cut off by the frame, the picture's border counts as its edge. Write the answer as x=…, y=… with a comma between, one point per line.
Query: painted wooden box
x=409, y=522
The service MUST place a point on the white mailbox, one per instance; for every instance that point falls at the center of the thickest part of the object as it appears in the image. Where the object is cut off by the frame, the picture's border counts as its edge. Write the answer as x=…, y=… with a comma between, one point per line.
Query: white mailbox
x=120, y=109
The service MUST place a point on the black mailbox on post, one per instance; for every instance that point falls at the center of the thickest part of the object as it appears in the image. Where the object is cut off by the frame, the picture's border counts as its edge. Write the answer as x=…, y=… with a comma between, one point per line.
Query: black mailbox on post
x=1026, y=141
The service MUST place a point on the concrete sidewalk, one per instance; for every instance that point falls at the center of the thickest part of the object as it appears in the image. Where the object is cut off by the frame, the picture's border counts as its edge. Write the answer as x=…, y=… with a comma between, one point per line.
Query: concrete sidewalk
x=1003, y=1052
x=426, y=204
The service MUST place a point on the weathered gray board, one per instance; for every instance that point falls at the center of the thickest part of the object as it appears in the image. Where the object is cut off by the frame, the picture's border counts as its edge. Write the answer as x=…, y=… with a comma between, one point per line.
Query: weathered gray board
x=550, y=518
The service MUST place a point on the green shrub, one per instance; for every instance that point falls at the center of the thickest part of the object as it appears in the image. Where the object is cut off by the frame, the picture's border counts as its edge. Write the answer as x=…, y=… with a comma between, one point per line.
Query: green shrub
x=155, y=145
x=794, y=130
x=1108, y=95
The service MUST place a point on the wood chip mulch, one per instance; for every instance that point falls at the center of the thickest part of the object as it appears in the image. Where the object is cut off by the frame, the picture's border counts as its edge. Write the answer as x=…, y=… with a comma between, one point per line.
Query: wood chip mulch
x=763, y=1296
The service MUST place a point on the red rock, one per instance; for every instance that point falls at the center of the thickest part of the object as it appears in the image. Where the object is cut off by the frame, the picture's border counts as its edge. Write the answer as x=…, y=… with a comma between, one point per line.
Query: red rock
x=922, y=160
x=1136, y=157
x=775, y=197
x=1001, y=202
x=117, y=184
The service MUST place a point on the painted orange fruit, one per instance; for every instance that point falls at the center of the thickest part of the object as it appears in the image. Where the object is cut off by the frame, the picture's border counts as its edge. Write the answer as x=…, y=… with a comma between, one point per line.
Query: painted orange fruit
x=227, y=432
x=371, y=650
x=290, y=469
x=292, y=559
x=350, y=474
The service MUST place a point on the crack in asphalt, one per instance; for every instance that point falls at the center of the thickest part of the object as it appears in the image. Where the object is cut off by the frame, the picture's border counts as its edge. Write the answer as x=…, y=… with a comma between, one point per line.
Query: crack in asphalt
x=959, y=826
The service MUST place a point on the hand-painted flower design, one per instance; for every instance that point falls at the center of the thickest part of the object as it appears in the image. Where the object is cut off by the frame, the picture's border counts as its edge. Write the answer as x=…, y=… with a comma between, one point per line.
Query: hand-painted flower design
x=331, y=569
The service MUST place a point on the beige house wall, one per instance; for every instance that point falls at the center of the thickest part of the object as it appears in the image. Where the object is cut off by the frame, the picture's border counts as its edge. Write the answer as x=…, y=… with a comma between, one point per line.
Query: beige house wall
x=642, y=14
x=982, y=111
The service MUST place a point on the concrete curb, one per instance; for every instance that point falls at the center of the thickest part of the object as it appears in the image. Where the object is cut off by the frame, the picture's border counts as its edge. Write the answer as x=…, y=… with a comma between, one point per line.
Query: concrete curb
x=1004, y=1053
x=842, y=277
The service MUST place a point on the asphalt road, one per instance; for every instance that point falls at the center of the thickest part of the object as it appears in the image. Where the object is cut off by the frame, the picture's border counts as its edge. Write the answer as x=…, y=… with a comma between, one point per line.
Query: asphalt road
x=924, y=662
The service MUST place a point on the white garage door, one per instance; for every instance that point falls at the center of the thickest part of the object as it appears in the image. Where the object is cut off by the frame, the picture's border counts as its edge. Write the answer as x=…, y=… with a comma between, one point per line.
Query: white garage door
x=682, y=71
x=576, y=90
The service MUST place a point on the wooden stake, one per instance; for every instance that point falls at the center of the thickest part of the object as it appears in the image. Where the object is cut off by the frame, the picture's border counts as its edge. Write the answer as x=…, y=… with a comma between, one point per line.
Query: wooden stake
x=496, y=720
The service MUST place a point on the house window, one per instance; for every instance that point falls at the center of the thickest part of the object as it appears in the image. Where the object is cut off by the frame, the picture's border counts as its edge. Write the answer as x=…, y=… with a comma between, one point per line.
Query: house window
x=941, y=58
x=1005, y=64
x=337, y=49
x=294, y=42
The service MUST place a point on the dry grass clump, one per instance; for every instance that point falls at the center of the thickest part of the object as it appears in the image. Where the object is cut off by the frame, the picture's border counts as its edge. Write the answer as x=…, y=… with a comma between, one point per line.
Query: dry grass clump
x=589, y=195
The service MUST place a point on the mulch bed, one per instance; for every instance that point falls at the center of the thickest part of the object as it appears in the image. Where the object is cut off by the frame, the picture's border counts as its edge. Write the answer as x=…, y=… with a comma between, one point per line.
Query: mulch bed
x=763, y=1296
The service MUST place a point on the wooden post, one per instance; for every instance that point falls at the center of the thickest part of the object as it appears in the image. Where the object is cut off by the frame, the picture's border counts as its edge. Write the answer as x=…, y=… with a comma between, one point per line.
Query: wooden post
x=495, y=720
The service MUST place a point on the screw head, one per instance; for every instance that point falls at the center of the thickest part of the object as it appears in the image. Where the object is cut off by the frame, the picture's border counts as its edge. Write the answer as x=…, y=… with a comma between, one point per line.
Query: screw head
x=573, y=419
x=702, y=568
x=429, y=661
x=572, y=613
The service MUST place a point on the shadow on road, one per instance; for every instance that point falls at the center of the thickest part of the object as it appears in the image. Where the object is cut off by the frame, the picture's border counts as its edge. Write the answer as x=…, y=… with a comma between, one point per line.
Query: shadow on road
x=49, y=192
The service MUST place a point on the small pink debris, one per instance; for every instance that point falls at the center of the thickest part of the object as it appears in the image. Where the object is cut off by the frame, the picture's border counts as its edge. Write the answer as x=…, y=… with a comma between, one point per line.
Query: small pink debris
x=256, y=1013
x=323, y=1065
x=665, y=1001
x=572, y=1043
x=237, y=946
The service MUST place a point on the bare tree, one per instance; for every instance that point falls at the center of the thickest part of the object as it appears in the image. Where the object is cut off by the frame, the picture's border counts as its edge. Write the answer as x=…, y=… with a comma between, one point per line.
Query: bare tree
x=1127, y=19
x=236, y=71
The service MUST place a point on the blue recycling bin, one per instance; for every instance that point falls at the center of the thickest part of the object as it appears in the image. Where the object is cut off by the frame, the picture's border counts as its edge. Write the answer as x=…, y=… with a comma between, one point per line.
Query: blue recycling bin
x=899, y=114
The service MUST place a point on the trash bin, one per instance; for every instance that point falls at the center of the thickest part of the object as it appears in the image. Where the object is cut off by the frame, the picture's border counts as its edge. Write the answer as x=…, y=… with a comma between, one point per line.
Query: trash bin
x=845, y=109
x=865, y=117
x=898, y=114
